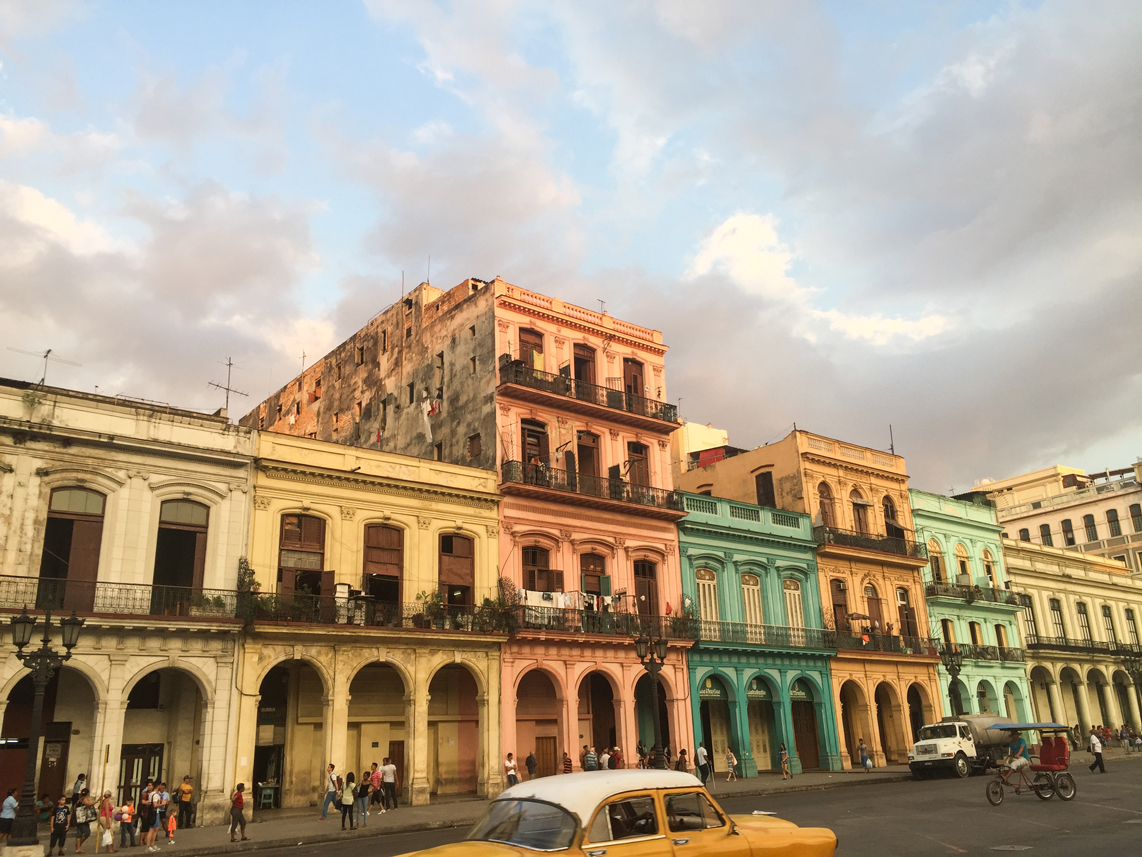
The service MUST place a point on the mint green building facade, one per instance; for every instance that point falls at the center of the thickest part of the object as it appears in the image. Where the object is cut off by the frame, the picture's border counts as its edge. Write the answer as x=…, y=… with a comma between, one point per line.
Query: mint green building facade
x=759, y=671
x=971, y=607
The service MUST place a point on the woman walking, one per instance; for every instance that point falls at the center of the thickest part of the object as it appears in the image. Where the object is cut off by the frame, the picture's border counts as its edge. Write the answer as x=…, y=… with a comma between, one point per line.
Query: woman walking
x=84, y=815
x=348, y=799
x=237, y=817
x=107, y=821
x=731, y=765
x=363, y=799
x=785, y=763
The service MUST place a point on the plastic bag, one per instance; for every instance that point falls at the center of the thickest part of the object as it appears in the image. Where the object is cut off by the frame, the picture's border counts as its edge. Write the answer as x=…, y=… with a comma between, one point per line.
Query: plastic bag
x=106, y=841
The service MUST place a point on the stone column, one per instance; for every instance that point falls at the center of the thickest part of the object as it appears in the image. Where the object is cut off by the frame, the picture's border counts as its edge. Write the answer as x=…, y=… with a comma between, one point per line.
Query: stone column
x=1113, y=709
x=1084, y=707
x=484, y=753
x=419, y=786
x=245, y=742
x=785, y=731
x=570, y=725
x=842, y=744
x=1055, y=700
x=1132, y=700
x=747, y=762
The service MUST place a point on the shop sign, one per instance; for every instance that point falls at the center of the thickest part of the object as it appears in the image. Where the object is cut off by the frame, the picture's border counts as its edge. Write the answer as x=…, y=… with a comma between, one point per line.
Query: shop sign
x=711, y=690
x=758, y=690
x=800, y=692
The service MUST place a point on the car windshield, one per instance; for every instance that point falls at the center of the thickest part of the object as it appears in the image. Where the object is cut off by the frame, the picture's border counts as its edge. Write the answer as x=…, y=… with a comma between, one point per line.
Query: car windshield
x=527, y=823
x=948, y=730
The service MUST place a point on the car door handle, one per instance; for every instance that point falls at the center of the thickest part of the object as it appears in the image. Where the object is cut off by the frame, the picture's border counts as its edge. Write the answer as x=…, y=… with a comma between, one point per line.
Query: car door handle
x=598, y=852
x=680, y=841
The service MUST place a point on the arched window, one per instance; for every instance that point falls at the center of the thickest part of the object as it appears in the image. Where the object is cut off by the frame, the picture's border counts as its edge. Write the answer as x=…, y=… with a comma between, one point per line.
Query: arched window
x=948, y=630
x=537, y=572
x=69, y=564
x=584, y=371
x=1001, y=636
x=708, y=603
x=873, y=606
x=1068, y=533
x=646, y=587
x=1108, y=624
x=751, y=607
x=384, y=563
x=794, y=609
x=838, y=590
x=963, y=566
x=587, y=446
x=860, y=512
x=1045, y=535
x=976, y=631
x=534, y=447
x=531, y=349
x=892, y=527
x=1131, y=627
x=301, y=556
x=1057, y=618
x=1024, y=535
x=180, y=549
x=906, y=613
x=593, y=577
x=936, y=561
x=825, y=501
x=989, y=568
x=1112, y=523
x=457, y=569
x=1091, y=529
x=1136, y=516
x=1084, y=621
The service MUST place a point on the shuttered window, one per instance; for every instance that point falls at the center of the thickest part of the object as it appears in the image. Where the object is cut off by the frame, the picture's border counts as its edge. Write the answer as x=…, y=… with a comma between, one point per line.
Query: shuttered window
x=384, y=563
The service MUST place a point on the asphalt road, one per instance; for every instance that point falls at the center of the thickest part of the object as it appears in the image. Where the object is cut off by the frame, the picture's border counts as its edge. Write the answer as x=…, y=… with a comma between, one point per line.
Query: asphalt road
x=933, y=817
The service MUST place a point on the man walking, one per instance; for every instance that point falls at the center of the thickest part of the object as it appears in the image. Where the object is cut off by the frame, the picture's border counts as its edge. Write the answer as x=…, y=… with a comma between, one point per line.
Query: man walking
x=702, y=760
x=531, y=764
x=331, y=790
x=389, y=781
x=590, y=761
x=1096, y=749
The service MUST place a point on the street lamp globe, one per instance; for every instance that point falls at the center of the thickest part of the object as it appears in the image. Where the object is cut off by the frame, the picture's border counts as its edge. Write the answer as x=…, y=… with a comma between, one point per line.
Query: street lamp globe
x=71, y=627
x=23, y=626
x=660, y=648
x=641, y=646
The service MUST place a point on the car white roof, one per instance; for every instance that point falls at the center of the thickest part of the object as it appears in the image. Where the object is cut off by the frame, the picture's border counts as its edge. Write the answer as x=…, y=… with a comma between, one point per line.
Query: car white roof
x=581, y=793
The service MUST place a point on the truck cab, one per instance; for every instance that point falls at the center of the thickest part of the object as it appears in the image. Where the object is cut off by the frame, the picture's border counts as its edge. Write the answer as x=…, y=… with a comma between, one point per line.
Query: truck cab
x=960, y=745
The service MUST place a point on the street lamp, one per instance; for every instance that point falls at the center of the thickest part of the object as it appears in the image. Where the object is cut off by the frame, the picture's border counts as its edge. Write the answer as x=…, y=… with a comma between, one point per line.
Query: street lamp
x=652, y=660
x=43, y=662
x=953, y=661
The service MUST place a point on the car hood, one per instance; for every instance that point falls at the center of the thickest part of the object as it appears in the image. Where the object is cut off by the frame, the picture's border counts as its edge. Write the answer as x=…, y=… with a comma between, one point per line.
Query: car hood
x=776, y=836
x=468, y=848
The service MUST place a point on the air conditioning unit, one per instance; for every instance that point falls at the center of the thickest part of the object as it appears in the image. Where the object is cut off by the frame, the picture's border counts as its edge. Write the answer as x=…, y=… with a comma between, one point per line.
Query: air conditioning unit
x=842, y=586
x=1007, y=584
x=963, y=580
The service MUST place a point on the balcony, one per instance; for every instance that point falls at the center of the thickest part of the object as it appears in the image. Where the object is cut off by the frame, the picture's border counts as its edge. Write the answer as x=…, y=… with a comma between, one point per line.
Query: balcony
x=869, y=542
x=973, y=594
x=972, y=652
x=889, y=644
x=117, y=599
x=1066, y=644
x=776, y=636
x=564, y=393
x=575, y=621
x=581, y=489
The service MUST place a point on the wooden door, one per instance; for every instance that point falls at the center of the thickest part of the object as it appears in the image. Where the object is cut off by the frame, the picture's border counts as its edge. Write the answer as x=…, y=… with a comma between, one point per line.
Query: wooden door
x=396, y=757
x=545, y=757
x=53, y=764
x=83, y=565
x=137, y=763
x=805, y=735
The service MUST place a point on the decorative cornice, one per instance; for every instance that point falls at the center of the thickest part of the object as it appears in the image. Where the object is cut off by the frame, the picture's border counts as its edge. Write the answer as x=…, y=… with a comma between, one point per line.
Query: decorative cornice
x=564, y=321
x=834, y=463
x=374, y=485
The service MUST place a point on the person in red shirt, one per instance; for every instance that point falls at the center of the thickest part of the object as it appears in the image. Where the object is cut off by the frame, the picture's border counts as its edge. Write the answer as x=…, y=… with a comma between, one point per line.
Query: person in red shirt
x=237, y=818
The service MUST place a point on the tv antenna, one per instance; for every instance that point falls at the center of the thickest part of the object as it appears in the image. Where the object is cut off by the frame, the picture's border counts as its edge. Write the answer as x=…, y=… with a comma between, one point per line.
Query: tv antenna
x=46, y=356
x=229, y=364
x=602, y=306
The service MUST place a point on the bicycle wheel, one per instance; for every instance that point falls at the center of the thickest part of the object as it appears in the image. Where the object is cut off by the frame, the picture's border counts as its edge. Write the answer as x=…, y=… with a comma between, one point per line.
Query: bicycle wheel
x=1044, y=786
x=994, y=792
x=1065, y=787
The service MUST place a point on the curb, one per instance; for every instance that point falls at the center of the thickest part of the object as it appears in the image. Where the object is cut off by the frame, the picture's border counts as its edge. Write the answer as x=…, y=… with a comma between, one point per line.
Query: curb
x=365, y=833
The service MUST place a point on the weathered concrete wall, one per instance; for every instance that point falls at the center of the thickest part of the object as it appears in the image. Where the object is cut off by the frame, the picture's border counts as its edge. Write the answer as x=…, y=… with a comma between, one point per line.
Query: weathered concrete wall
x=377, y=388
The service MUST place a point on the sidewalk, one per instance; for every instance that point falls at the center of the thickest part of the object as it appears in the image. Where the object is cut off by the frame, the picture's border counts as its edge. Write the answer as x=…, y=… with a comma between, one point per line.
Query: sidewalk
x=291, y=827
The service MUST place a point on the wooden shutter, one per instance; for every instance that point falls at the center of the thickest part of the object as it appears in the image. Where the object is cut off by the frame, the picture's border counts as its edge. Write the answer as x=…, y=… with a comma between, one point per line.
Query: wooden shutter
x=83, y=565
x=199, y=559
x=327, y=583
x=605, y=586
x=458, y=568
x=286, y=580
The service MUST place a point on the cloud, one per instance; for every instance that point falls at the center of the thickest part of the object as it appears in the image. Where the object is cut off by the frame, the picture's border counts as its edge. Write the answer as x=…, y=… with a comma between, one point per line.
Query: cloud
x=23, y=137
x=24, y=18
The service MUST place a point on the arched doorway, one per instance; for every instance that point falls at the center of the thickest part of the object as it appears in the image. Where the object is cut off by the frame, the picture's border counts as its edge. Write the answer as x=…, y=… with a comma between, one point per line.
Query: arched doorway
x=959, y=697
x=916, y=709
x=1122, y=690
x=538, y=722
x=717, y=726
x=644, y=712
x=890, y=726
x=377, y=728
x=803, y=712
x=1099, y=698
x=1013, y=703
x=1042, y=704
x=67, y=729
x=162, y=732
x=289, y=742
x=854, y=720
x=986, y=698
x=1072, y=691
x=454, y=745
x=762, y=724
x=597, y=712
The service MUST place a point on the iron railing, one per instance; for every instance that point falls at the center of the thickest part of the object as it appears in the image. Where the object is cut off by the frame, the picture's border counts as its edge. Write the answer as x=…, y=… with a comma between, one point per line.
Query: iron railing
x=890, y=644
x=868, y=541
x=123, y=599
x=518, y=372
x=542, y=476
x=974, y=652
x=1067, y=644
x=971, y=594
x=616, y=624
x=780, y=636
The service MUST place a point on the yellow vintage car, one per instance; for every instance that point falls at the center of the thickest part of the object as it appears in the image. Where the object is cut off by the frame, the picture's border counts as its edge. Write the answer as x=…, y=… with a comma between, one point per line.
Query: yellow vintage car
x=628, y=813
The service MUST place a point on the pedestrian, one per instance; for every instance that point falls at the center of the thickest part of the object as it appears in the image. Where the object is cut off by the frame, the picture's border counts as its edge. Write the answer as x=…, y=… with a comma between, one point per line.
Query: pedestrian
x=8, y=815
x=185, y=796
x=77, y=789
x=61, y=822
x=702, y=760
x=391, y=782
x=510, y=771
x=683, y=763
x=348, y=799
x=531, y=764
x=363, y=799
x=378, y=793
x=1096, y=750
x=865, y=761
x=84, y=815
x=160, y=800
x=666, y=754
x=617, y=760
x=591, y=760
x=143, y=813
x=107, y=822
x=785, y=763
x=127, y=823
x=731, y=765
x=605, y=759
x=172, y=826
x=583, y=758
x=568, y=765
x=332, y=786
x=640, y=751
x=44, y=807
x=237, y=816
x=1074, y=734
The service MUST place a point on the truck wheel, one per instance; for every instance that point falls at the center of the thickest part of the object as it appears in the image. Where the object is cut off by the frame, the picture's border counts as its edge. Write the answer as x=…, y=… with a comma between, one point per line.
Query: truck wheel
x=960, y=765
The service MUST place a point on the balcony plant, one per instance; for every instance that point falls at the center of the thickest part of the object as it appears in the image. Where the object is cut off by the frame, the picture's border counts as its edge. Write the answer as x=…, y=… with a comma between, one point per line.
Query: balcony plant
x=430, y=610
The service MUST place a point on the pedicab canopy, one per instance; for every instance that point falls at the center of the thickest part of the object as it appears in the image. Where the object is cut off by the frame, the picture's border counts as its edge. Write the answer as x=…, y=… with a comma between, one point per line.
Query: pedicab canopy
x=1020, y=727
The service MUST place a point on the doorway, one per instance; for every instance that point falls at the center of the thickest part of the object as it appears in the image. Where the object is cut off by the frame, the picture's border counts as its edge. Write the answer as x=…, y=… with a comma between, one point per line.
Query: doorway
x=53, y=763
x=137, y=764
x=545, y=757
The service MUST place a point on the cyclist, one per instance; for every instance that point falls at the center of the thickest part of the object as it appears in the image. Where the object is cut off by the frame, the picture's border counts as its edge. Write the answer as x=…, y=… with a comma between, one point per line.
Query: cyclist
x=1017, y=755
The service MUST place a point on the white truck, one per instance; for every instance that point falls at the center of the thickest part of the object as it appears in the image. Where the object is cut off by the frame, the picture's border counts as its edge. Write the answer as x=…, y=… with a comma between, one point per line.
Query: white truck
x=962, y=745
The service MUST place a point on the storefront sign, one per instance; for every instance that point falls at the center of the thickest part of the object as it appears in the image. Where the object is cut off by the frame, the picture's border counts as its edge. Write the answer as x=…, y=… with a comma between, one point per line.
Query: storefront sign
x=711, y=690
x=758, y=690
x=800, y=692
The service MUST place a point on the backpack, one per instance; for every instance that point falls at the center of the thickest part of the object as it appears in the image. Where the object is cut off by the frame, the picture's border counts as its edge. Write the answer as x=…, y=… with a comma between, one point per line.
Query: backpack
x=612, y=763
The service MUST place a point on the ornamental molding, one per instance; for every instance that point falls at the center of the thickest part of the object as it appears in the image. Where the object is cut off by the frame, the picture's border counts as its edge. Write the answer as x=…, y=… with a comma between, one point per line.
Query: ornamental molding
x=503, y=325
x=560, y=342
x=261, y=502
x=572, y=324
x=492, y=530
x=868, y=472
x=614, y=434
x=565, y=535
x=348, y=513
x=373, y=485
x=663, y=444
x=423, y=522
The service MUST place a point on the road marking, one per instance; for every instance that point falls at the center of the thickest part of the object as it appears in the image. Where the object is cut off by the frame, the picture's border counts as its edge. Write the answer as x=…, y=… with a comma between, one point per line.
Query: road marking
x=945, y=844
x=1115, y=808
x=1010, y=847
x=1041, y=824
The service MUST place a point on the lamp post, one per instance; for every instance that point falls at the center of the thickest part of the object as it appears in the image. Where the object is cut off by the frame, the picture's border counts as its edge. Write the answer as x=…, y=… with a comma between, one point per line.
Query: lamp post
x=43, y=662
x=953, y=661
x=652, y=654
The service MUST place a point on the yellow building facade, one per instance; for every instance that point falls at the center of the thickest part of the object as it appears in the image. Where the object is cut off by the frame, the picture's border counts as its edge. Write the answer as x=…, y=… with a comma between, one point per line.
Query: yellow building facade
x=398, y=652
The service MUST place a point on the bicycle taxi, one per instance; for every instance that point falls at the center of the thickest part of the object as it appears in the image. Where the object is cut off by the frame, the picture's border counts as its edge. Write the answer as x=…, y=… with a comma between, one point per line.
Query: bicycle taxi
x=1046, y=777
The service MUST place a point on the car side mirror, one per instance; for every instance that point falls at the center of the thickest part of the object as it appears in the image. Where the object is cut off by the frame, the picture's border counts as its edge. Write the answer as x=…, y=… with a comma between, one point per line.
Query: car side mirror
x=734, y=829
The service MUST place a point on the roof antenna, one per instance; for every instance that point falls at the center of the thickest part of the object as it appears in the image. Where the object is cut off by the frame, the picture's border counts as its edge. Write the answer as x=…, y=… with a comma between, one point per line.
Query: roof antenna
x=46, y=356
x=891, y=442
x=229, y=364
x=602, y=306
x=402, y=282
x=429, y=280
x=303, y=361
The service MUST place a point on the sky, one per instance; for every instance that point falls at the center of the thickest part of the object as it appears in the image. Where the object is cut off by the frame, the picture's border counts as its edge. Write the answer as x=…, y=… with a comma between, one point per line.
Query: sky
x=841, y=215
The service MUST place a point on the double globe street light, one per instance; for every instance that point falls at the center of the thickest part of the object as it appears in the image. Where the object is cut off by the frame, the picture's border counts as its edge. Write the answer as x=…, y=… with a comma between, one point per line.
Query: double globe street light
x=953, y=661
x=43, y=663
x=652, y=654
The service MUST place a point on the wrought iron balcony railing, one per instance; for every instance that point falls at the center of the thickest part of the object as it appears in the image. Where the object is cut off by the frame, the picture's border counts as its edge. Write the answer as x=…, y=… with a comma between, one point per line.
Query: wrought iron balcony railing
x=869, y=541
x=542, y=476
x=518, y=372
x=615, y=624
x=1067, y=644
x=890, y=644
x=972, y=594
x=778, y=636
x=119, y=599
x=973, y=652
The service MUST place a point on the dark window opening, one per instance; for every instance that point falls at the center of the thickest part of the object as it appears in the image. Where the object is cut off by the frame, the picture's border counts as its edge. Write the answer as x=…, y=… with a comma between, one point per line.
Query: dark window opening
x=72, y=537
x=763, y=486
x=531, y=348
x=408, y=333
x=384, y=342
x=439, y=367
x=840, y=599
x=301, y=556
x=180, y=550
x=145, y=693
x=1113, y=523
x=633, y=380
x=438, y=451
x=825, y=500
x=411, y=393
x=1045, y=535
x=408, y=304
x=587, y=449
x=534, y=440
x=1068, y=533
x=457, y=570
x=1024, y=535
x=475, y=446
x=584, y=366
x=472, y=331
x=1091, y=529
x=1136, y=516
x=472, y=365
x=892, y=527
x=639, y=472
x=646, y=587
x=537, y=571
x=384, y=563
x=593, y=577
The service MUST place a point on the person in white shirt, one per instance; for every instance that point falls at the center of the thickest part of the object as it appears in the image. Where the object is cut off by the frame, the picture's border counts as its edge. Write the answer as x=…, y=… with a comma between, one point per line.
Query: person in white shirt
x=1096, y=750
x=510, y=771
x=389, y=781
x=331, y=789
x=702, y=760
x=604, y=760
